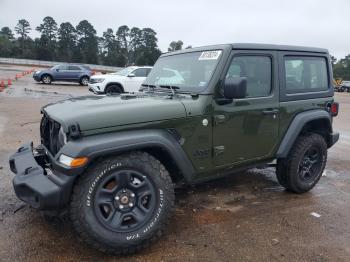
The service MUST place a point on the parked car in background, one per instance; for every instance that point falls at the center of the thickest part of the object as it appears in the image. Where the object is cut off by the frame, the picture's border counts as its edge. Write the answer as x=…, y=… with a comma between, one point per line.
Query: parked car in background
x=345, y=86
x=127, y=80
x=65, y=72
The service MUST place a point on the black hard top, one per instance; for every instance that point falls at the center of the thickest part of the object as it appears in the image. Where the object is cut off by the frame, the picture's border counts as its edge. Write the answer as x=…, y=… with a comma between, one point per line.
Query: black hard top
x=279, y=47
x=253, y=46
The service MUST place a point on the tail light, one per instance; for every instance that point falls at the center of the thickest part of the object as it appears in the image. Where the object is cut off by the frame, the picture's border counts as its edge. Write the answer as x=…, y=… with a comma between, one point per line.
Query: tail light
x=333, y=108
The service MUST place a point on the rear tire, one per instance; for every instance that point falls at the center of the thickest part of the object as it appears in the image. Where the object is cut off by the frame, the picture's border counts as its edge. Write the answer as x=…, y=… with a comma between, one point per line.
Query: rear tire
x=84, y=81
x=46, y=79
x=114, y=89
x=122, y=204
x=303, y=167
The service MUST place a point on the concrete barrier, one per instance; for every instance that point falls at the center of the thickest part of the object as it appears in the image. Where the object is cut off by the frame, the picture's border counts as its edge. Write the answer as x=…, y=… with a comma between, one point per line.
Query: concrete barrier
x=30, y=62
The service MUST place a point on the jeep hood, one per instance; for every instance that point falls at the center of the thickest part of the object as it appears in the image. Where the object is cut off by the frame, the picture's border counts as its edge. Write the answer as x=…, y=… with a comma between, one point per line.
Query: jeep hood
x=95, y=112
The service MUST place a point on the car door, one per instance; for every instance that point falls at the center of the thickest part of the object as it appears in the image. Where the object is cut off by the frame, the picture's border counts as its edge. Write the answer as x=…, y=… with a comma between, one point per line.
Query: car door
x=135, y=79
x=61, y=72
x=246, y=130
x=73, y=72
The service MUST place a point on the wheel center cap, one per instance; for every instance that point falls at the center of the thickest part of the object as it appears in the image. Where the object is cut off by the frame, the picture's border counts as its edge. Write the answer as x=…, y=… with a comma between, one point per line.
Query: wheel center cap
x=124, y=200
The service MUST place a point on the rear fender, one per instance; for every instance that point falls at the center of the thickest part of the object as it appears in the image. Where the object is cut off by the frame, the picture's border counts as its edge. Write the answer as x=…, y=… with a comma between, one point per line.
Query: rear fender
x=297, y=125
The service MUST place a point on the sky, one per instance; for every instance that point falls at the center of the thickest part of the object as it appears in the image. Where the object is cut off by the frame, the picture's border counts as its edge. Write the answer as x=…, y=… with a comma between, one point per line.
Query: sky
x=319, y=23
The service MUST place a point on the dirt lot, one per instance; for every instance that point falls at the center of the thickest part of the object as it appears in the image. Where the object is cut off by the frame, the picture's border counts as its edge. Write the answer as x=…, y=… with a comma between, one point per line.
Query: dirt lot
x=245, y=217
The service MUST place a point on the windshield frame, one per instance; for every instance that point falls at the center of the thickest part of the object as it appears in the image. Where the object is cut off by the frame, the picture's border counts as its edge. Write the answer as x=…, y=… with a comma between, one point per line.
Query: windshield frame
x=208, y=88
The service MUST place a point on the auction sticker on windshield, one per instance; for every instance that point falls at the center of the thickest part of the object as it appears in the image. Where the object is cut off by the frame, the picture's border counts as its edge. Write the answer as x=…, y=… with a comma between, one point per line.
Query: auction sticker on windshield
x=210, y=55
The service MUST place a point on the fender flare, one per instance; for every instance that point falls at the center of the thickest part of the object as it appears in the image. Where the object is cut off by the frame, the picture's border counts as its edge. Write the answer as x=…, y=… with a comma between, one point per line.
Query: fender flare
x=294, y=129
x=110, y=143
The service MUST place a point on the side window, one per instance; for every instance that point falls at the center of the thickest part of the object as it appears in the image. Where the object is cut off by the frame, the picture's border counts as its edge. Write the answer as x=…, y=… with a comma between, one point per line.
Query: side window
x=148, y=71
x=74, y=68
x=141, y=72
x=257, y=70
x=305, y=74
x=62, y=67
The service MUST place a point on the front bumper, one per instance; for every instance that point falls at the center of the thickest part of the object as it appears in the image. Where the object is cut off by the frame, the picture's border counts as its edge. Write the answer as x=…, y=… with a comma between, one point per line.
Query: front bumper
x=35, y=183
x=96, y=88
x=36, y=78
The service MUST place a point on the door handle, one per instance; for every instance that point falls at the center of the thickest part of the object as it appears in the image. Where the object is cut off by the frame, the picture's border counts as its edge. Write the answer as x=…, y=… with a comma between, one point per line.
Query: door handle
x=270, y=112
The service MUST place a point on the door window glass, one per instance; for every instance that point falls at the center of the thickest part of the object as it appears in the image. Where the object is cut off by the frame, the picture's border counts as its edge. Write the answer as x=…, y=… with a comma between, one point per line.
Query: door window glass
x=141, y=72
x=257, y=70
x=62, y=67
x=73, y=68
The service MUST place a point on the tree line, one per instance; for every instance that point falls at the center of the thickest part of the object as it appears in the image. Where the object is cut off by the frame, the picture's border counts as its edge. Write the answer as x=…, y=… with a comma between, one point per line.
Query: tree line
x=80, y=44
x=341, y=67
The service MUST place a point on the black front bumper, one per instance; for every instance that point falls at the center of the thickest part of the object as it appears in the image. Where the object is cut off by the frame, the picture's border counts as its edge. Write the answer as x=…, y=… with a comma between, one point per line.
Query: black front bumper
x=35, y=183
x=37, y=78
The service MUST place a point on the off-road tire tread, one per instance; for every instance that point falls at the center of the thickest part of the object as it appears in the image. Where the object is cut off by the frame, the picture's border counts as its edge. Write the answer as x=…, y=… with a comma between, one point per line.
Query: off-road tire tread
x=85, y=180
x=284, y=166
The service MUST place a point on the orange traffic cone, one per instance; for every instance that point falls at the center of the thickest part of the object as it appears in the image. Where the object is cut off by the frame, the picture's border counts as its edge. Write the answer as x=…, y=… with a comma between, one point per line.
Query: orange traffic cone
x=2, y=85
x=9, y=82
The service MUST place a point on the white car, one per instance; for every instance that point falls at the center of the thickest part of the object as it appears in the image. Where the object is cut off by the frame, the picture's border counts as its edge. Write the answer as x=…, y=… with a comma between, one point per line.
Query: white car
x=126, y=80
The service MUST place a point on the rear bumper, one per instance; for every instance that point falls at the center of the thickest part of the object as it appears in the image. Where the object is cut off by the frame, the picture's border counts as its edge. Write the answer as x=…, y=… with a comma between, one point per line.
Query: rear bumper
x=333, y=138
x=37, y=185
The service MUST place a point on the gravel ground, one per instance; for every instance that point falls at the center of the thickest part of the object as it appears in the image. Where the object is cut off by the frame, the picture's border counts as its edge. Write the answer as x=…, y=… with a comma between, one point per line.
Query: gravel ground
x=244, y=217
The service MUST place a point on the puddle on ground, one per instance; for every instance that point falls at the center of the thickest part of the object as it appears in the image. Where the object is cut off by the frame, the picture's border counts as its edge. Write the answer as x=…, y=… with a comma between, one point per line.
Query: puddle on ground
x=19, y=92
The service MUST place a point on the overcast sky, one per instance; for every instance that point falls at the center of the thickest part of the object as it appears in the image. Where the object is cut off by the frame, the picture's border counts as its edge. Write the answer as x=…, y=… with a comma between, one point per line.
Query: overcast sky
x=319, y=23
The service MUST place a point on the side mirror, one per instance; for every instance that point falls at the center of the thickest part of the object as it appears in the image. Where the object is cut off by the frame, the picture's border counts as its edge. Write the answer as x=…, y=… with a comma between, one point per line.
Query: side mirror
x=235, y=87
x=57, y=70
x=131, y=75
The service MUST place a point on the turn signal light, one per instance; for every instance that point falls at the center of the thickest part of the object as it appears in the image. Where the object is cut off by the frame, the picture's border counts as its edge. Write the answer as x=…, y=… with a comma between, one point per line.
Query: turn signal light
x=72, y=162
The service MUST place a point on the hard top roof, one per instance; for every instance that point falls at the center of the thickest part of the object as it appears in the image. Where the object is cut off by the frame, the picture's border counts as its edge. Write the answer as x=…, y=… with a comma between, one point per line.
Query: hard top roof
x=253, y=46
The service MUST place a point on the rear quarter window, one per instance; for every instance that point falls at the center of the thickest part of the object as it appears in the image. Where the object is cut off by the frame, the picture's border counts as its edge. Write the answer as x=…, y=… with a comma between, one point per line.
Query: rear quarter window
x=305, y=74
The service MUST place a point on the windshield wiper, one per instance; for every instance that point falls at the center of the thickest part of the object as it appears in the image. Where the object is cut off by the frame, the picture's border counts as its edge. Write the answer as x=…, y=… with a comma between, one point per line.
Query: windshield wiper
x=149, y=87
x=172, y=88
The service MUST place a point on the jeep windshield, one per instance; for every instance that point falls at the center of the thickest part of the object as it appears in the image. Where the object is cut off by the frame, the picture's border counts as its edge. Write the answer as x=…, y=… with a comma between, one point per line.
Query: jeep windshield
x=188, y=72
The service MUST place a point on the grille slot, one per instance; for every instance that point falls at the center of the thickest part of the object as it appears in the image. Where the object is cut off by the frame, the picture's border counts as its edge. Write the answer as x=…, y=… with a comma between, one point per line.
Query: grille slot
x=49, y=130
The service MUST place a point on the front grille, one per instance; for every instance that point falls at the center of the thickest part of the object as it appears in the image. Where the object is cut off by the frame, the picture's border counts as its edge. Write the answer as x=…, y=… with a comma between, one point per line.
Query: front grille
x=49, y=130
x=94, y=81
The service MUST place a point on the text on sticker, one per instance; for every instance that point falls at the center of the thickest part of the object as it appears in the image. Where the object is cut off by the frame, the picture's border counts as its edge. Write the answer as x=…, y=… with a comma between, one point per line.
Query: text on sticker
x=210, y=55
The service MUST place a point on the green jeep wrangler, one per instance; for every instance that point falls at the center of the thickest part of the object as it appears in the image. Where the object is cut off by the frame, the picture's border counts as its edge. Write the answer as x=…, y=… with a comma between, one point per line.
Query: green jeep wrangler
x=113, y=161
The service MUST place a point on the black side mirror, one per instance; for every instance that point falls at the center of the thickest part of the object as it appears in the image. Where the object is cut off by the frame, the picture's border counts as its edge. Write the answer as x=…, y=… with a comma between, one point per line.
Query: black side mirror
x=57, y=70
x=235, y=87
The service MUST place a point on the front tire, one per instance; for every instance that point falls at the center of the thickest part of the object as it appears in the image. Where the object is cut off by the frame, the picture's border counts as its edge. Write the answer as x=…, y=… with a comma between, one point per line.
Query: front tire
x=114, y=89
x=46, y=79
x=303, y=167
x=122, y=204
